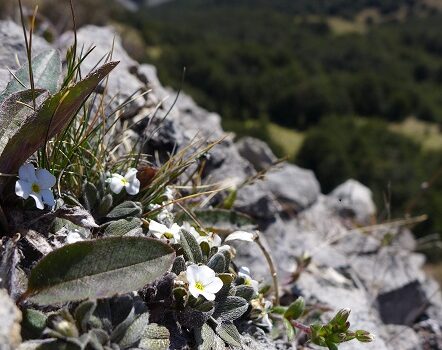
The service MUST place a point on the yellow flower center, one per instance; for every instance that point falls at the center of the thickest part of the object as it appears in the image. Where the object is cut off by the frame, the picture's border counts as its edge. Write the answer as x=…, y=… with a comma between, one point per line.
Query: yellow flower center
x=168, y=235
x=247, y=281
x=35, y=188
x=199, y=285
x=124, y=181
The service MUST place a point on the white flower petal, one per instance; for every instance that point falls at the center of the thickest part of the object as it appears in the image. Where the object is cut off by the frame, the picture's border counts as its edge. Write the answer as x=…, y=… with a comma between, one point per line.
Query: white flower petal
x=216, y=240
x=244, y=270
x=131, y=174
x=175, y=229
x=27, y=173
x=23, y=188
x=206, y=274
x=156, y=227
x=214, y=286
x=193, y=290
x=48, y=197
x=134, y=187
x=209, y=296
x=192, y=273
x=38, y=200
x=45, y=179
x=115, y=184
x=241, y=236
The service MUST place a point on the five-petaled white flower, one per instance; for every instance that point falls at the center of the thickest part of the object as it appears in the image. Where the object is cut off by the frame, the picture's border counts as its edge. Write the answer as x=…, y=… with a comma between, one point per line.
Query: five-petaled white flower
x=129, y=181
x=202, y=281
x=171, y=233
x=35, y=183
x=244, y=272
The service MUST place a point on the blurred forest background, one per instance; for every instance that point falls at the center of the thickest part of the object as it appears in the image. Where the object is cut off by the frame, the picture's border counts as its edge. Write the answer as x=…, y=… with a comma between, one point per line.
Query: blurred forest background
x=347, y=88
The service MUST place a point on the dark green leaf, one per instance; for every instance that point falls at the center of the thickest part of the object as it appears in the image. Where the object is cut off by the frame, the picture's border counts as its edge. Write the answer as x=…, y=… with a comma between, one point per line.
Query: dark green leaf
x=33, y=323
x=217, y=263
x=52, y=117
x=124, y=210
x=121, y=227
x=83, y=313
x=155, y=337
x=191, y=248
x=231, y=308
x=90, y=195
x=135, y=331
x=179, y=265
x=228, y=332
x=98, y=269
x=245, y=292
x=296, y=309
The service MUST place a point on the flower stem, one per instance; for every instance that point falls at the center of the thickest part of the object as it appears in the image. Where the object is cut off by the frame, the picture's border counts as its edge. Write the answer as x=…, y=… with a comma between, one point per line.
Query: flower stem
x=271, y=264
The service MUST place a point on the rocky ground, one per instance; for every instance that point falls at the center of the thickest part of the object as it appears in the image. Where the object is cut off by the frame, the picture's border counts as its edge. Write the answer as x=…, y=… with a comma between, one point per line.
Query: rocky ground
x=369, y=268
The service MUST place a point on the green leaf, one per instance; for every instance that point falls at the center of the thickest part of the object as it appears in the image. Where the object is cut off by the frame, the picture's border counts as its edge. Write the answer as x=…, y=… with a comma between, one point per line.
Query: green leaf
x=90, y=195
x=224, y=221
x=179, y=265
x=14, y=112
x=245, y=292
x=228, y=332
x=135, y=331
x=124, y=210
x=83, y=313
x=191, y=248
x=33, y=323
x=121, y=227
x=51, y=118
x=98, y=269
x=155, y=337
x=105, y=204
x=46, y=71
x=296, y=309
x=207, y=339
x=231, y=308
x=217, y=263
x=289, y=329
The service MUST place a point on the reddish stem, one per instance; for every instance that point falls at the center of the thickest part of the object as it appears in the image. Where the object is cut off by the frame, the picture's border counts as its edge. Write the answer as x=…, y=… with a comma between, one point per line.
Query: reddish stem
x=301, y=326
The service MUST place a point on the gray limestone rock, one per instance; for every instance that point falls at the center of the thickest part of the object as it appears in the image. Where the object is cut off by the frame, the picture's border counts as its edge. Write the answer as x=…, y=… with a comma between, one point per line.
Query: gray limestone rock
x=295, y=188
x=257, y=152
x=354, y=200
x=12, y=47
x=10, y=318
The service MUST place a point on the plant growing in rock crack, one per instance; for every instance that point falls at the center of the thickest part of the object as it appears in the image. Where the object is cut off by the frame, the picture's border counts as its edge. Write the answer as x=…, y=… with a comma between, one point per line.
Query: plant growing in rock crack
x=143, y=264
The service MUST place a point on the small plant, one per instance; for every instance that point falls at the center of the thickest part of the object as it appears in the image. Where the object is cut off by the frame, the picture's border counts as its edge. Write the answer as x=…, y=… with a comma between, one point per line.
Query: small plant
x=149, y=262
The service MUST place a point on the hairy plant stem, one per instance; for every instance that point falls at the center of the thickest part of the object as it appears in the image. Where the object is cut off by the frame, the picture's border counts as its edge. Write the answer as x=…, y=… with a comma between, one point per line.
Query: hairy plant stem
x=301, y=326
x=272, y=267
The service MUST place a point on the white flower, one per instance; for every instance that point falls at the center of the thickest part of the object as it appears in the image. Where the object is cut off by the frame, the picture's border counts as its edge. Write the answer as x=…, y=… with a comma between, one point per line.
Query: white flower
x=202, y=281
x=244, y=272
x=241, y=236
x=35, y=183
x=129, y=181
x=171, y=233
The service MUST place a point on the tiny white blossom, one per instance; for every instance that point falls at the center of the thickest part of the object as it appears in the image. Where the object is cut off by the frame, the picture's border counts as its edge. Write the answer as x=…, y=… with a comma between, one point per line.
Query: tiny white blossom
x=129, y=181
x=241, y=236
x=35, y=183
x=211, y=238
x=171, y=233
x=244, y=272
x=202, y=281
